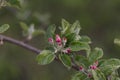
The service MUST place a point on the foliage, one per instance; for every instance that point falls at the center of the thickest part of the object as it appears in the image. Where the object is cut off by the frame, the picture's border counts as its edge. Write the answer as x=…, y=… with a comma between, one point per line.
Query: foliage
x=3, y=28
x=13, y=3
x=66, y=46
x=29, y=31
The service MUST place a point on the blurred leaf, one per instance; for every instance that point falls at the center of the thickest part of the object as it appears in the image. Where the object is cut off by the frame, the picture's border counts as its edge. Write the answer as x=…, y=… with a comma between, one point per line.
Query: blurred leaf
x=66, y=60
x=117, y=41
x=95, y=75
x=77, y=46
x=14, y=2
x=80, y=76
x=96, y=54
x=38, y=32
x=51, y=31
x=75, y=28
x=24, y=26
x=3, y=3
x=81, y=60
x=113, y=77
x=100, y=74
x=85, y=39
x=45, y=57
x=65, y=26
x=70, y=37
x=4, y=28
x=110, y=65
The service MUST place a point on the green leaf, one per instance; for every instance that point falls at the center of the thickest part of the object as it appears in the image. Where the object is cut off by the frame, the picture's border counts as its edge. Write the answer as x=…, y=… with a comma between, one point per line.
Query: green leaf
x=75, y=28
x=112, y=61
x=3, y=3
x=81, y=60
x=65, y=26
x=95, y=75
x=51, y=31
x=79, y=76
x=38, y=32
x=66, y=60
x=117, y=41
x=85, y=39
x=100, y=74
x=4, y=28
x=24, y=26
x=45, y=57
x=115, y=78
x=96, y=54
x=70, y=37
x=110, y=65
x=15, y=2
x=77, y=46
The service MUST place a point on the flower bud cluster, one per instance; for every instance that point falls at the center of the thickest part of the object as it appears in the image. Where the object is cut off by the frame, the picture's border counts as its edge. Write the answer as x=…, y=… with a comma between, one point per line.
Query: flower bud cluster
x=81, y=68
x=94, y=66
x=59, y=44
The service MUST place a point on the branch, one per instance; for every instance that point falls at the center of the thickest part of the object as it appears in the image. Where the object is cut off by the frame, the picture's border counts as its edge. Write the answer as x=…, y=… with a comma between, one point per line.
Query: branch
x=26, y=46
x=19, y=43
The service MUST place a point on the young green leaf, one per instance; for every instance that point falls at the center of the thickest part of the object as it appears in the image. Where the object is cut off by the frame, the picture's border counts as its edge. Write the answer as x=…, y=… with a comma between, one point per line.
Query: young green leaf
x=109, y=66
x=77, y=46
x=79, y=76
x=100, y=74
x=117, y=41
x=96, y=54
x=14, y=2
x=65, y=26
x=85, y=39
x=45, y=57
x=38, y=32
x=70, y=37
x=24, y=26
x=3, y=3
x=75, y=28
x=51, y=31
x=66, y=60
x=4, y=28
x=95, y=75
x=81, y=60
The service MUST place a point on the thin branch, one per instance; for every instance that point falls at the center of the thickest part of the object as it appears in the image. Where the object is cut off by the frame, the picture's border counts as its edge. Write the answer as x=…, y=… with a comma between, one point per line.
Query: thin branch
x=26, y=46
x=19, y=43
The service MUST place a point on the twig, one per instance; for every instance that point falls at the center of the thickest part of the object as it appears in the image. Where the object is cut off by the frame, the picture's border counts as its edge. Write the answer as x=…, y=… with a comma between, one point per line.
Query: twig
x=26, y=46
x=19, y=43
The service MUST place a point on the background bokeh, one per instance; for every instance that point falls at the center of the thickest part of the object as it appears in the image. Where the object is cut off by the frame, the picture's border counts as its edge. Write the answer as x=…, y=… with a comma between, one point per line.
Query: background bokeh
x=100, y=19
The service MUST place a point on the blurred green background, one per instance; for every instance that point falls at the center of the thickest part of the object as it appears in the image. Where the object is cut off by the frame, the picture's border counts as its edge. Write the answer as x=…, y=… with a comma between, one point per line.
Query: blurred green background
x=100, y=19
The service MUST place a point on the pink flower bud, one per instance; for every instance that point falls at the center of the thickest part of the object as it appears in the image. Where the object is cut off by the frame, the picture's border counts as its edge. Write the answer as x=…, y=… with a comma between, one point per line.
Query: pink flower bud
x=64, y=40
x=68, y=50
x=58, y=39
x=60, y=44
x=93, y=67
x=81, y=68
x=50, y=40
x=89, y=75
